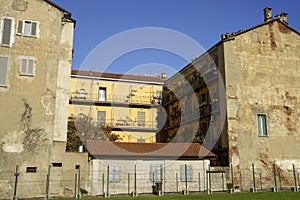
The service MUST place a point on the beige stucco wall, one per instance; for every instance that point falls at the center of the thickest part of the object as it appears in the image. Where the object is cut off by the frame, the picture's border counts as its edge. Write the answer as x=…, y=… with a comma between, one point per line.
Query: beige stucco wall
x=46, y=93
x=262, y=77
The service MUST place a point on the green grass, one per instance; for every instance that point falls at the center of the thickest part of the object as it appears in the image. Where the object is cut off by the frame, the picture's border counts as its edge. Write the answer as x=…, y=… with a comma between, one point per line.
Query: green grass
x=227, y=196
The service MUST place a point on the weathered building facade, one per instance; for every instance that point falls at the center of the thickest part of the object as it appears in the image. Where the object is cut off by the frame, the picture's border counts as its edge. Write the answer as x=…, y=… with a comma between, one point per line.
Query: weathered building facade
x=36, y=44
x=126, y=103
x=260, y=69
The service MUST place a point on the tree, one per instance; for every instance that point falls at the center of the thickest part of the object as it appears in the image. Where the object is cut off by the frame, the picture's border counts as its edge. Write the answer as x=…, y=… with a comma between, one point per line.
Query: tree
x=82, y=128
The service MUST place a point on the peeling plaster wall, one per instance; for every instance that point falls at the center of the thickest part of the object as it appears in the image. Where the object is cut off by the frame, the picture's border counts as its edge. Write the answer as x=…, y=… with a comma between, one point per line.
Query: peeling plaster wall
x=46, y=92
x=262, y=77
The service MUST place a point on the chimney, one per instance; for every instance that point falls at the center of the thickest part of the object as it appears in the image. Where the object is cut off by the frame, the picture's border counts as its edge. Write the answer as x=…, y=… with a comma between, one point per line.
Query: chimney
x=268, y=14
x=283, y=17
x=163, y=76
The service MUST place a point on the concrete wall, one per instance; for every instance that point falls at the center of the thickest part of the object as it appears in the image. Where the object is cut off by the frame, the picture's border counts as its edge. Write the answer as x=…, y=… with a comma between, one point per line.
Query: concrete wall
x=144, y=180
x=262, y=77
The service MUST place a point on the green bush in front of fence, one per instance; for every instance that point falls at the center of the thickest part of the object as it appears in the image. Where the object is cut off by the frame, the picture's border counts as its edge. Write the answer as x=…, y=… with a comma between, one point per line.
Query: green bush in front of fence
x=237, y=196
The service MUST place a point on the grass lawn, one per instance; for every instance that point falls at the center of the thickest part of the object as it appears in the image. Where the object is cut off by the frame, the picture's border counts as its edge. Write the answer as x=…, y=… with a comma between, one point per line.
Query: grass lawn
x=237, y=196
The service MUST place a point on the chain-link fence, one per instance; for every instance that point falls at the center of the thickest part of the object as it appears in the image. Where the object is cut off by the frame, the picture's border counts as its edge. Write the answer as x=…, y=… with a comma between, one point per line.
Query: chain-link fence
x=255, y=179
x=144, y=178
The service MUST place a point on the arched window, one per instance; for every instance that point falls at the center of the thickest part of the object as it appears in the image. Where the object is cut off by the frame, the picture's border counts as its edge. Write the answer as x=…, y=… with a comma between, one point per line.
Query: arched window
x=82, y=93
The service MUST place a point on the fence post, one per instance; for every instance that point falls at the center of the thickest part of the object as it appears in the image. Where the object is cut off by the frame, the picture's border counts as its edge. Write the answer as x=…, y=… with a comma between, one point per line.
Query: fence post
x=16, y=182
x=78, y=183
x=103, y=182
x=275, y=181
x=47, y=183
x=186, y=179
x=209, y=179
x=298, y=179
x=128, y=183
x=135, y=194
x=223, y=182
x=177, y=183
x=161, y=179
x=107, y=189
x=295, y=179
x=232, y=178
x=75, y=188
x=207, y=184
x=280, y=181
x=254, y=182
x=199, y=180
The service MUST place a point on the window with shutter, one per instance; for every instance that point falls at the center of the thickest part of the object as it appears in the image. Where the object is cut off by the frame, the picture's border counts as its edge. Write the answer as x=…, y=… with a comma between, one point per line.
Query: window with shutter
x=101, y=118
x=3, y=70
x=28, y=28
x=6, y=31
x=27, y=67
x=141, y=119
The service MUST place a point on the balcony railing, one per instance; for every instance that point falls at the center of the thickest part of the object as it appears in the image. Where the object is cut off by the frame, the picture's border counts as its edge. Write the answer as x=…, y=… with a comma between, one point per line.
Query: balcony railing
x=196, y=81
x=111, y=98
x=129, y=124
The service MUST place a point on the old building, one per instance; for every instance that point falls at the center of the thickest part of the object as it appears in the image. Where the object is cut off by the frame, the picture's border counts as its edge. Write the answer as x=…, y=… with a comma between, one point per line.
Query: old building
x=127, y=103
x=36, y=44
x=145, y=168
x=260, y=71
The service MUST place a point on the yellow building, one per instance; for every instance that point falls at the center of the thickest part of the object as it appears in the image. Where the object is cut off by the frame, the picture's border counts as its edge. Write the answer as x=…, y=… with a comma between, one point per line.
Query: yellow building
x=127, y=103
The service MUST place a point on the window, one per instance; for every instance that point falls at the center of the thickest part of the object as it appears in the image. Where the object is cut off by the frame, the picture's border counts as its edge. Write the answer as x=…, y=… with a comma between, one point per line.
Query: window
x=262, y=125
x=114, y=173
x=101, y=118
x=102, y=94
x=31, y=169
x=159, y=96
x=141, y=140
x=186, y=170
x=82, y=94
x=155, y=174
x=141, y=119
x=6, y=31
x=56, y=164
x=3, y=70
x=27, y=66
x=28, y=28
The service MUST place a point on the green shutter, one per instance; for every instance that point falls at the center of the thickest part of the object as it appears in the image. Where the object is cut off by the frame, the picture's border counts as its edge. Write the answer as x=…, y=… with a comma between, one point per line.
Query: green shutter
x=7, y=31
x=3, y=70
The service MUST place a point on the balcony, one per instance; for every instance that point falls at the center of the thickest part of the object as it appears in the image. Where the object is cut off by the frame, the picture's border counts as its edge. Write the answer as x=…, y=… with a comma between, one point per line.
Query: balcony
x=129, y=125
x=111, y=100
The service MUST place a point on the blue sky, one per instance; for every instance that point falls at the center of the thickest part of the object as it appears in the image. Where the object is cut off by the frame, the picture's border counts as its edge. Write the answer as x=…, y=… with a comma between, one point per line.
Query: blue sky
x=200, y=20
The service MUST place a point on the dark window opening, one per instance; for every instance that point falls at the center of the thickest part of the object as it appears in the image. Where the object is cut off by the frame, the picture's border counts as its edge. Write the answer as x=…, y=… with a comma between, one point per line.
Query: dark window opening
x=56, y=164
x=31, y=169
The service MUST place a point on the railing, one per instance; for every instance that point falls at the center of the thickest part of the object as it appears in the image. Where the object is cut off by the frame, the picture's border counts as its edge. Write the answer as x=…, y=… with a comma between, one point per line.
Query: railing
x=195, y=82
x=111, y=98
x=187, y=116
x=129, y=124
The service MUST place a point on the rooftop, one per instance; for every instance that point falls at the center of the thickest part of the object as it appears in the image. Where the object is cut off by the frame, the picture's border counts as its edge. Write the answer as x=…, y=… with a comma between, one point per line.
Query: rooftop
x=118, y=76
x=106, y=149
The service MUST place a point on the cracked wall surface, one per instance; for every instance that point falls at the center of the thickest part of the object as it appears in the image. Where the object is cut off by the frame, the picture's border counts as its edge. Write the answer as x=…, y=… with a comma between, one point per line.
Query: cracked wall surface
x=46, y=91
x=262, y=77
